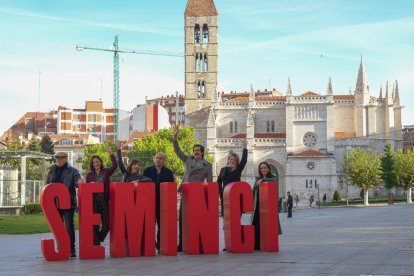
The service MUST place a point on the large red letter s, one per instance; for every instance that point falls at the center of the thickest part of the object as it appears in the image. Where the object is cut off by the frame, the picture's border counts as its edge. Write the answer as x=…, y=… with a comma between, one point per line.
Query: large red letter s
x=50, y=210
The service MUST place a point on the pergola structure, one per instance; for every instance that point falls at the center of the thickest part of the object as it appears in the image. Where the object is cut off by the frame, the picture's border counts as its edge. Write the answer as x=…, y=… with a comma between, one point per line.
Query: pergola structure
x=24, y=155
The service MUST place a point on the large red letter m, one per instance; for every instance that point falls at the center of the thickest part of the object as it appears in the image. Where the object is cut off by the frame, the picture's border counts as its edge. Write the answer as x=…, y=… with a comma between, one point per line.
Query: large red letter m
x=132, y=219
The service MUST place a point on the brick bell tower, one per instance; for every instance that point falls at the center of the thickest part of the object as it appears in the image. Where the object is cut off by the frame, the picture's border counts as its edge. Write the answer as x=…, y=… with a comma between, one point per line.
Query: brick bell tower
x=201, y=45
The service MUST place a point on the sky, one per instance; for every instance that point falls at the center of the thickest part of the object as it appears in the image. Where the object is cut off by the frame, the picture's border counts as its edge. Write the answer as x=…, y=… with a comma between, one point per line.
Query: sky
x=261, y=43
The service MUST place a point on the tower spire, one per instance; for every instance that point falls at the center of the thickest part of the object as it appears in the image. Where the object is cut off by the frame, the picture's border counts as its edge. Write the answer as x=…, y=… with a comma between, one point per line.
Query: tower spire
x=380, y=95
x=330, y=91
x=362, y=86
x=289, y=88
x=251, y=94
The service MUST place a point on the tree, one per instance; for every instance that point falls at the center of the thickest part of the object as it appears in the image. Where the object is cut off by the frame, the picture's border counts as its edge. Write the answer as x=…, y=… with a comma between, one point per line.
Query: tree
x=363, y=169
x=404, y=170
x=97, y=149
x=146, y=148
x=47, y=145
x=387, y=168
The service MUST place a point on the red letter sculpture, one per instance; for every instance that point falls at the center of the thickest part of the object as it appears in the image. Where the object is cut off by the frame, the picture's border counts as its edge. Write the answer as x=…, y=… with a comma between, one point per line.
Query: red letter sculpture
x=87, y=219
x=133, y=214
x=200, y=223
x=168, y=218
x=269, y=230
x=238, y=198
x=50, y=210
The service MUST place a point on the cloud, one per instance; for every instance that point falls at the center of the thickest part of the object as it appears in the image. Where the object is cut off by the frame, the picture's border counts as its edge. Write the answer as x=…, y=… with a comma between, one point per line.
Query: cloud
x=120, y=27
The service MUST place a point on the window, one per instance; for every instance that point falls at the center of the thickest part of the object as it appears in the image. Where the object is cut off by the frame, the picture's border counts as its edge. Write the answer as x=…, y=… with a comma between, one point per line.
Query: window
x=273, y=126
x=201, y=64
x=27, y=120
x=201, y=89
x=66, y=142
x=267, y=126
x=310, y=165
x=93, y=117
x=309, y=139
x=205, y=33
x=233, y=127
x=197, y=33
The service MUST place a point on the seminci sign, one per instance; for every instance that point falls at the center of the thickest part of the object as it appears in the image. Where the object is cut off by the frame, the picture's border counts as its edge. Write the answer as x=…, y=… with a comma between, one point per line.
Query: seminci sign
x=132, y=219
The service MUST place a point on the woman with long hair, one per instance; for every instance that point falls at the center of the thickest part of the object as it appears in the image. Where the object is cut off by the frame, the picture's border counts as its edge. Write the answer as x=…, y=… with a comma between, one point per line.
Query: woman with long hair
x=132, y=172
x=265, y=175
x=97, y=173
x=231, y=172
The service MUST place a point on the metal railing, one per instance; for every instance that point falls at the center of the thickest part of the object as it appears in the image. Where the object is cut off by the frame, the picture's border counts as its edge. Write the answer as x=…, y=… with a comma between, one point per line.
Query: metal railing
x=10, y=192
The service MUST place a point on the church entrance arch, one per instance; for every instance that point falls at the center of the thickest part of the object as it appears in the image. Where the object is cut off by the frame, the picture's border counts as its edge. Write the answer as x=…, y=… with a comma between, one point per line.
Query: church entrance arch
x=277, y=170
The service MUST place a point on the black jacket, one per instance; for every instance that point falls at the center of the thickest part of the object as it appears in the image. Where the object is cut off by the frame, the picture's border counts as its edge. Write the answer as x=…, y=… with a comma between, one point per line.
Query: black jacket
x=166, y=175
x=70, y=177
x=129, y=177
x=227, y=176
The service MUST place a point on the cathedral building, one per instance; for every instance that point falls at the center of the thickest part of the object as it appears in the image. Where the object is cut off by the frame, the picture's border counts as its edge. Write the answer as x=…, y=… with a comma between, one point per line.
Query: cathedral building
x=303, y=137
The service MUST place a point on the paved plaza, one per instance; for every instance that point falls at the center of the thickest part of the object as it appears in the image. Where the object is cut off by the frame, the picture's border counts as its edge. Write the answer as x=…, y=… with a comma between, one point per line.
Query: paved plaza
x=328, y=241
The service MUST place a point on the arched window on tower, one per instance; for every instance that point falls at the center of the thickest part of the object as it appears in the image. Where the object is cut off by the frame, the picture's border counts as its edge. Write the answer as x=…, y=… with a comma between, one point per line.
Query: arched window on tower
x=231, y=127
x=267, y=126
x=201, y=89
x=235, y=126
x=273, y=126
x=205, y=67
x=205, y=33
x=197, y=33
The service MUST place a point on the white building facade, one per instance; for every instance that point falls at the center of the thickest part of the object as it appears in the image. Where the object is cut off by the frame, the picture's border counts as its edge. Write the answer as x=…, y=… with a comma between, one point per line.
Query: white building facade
x=303, y=137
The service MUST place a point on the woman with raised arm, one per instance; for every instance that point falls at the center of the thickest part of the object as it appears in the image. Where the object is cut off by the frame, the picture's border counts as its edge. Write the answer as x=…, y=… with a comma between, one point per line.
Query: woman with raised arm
x=131, y=173
x=97, y=173
x=265, y=175
x=231, y=172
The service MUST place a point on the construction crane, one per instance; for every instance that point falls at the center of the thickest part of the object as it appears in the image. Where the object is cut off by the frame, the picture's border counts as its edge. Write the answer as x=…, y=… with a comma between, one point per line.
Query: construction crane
x=115, y=49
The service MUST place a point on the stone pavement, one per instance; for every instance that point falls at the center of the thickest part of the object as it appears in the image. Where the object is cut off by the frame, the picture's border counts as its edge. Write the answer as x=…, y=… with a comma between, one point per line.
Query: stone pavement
x=328, y=241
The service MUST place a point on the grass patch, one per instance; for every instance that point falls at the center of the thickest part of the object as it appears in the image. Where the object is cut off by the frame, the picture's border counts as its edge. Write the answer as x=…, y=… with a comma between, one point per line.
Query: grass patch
x=26, y=224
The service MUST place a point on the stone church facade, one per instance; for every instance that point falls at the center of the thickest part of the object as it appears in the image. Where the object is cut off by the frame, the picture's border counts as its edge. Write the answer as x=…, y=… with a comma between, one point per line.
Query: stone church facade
x=303, y=137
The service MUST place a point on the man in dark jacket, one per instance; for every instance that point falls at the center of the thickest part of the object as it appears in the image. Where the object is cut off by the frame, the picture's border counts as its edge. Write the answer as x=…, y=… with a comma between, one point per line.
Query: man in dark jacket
x=61, y=172
x=289, y=204
x=158, y=173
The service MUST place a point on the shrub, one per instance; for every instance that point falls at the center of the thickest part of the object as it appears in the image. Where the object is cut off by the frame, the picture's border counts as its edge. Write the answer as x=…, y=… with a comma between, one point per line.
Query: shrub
x=32, y=208
x=337, y=196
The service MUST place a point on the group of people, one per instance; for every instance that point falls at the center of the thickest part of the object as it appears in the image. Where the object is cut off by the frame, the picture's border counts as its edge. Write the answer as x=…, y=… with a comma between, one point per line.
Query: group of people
x=197, y=169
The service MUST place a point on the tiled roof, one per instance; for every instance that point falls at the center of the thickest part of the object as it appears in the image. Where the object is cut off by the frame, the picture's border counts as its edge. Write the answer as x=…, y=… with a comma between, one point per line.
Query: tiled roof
x=272, y=98
x=68, y=136
x=310, y=153
x=138, y=134
x=344, y=134
x=309, y=94
x=239, y=99
x=343, y=97
x=200, y=8
x=241, y=135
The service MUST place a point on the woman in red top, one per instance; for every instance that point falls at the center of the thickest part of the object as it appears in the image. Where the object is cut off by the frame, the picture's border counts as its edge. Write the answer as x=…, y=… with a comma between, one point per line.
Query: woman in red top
x=97, y=173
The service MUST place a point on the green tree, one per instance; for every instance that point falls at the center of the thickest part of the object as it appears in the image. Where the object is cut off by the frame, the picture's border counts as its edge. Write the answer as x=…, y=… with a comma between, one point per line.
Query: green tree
x=47, y=145
x=13, y=144
x=404, y=170
x=96, y=149
x=363, y=169
x=146, y=148
x=387, y=168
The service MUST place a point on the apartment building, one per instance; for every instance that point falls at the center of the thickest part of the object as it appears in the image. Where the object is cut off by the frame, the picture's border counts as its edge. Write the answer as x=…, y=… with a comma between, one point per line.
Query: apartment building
x=94, y=119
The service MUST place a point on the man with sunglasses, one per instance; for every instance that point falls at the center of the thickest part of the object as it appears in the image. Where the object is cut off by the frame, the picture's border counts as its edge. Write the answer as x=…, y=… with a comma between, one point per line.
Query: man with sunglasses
x=61, y=172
